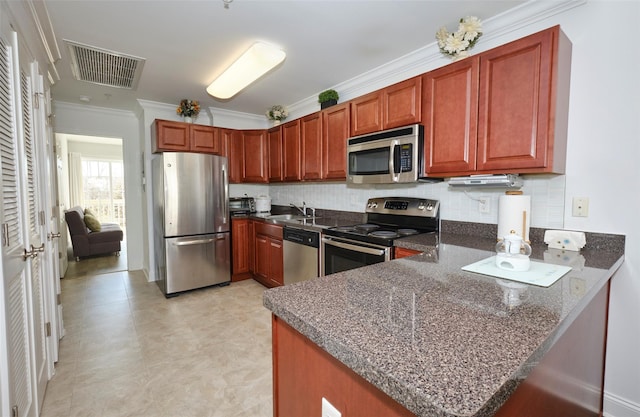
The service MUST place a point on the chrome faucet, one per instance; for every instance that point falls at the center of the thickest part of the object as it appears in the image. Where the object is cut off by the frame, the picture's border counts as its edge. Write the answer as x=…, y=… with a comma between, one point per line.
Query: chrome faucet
x=302, y=209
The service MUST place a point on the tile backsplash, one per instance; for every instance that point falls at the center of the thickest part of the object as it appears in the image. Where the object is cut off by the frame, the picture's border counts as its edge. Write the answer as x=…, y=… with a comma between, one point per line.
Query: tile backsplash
x=546, y=191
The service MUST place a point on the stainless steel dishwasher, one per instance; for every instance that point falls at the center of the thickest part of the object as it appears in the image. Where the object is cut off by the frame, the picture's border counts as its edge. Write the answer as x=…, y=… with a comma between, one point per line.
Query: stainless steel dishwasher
x=300, y=254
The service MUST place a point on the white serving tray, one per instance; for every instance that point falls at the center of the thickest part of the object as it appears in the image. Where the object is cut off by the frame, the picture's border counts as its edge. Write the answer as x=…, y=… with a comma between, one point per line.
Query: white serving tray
x=540, y=274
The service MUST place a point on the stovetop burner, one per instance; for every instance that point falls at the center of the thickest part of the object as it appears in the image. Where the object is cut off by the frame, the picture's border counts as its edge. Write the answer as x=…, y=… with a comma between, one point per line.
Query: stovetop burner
x=384, y=234
x=390, y=218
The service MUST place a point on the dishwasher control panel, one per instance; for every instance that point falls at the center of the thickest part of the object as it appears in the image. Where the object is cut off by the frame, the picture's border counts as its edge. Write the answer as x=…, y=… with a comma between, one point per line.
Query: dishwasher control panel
x=302, y=237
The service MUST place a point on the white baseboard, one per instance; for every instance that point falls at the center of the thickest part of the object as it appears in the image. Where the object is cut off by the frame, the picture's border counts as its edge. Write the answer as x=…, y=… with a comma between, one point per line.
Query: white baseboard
x=615, y=406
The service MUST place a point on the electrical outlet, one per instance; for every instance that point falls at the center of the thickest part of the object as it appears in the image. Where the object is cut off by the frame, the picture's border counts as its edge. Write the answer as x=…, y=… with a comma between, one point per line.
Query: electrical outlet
x=328, y=410
x=580, y=207
x=484, y=205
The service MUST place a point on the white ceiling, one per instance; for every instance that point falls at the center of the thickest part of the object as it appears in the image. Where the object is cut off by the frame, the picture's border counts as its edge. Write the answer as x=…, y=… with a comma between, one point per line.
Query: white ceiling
x=186, y=43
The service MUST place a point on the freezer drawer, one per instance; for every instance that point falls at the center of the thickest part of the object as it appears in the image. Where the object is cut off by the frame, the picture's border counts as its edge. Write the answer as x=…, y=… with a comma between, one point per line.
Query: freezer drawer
x=197, y=261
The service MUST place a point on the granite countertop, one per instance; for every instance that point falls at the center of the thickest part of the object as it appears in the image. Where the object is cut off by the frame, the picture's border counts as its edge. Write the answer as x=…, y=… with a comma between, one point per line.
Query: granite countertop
x=439, y=340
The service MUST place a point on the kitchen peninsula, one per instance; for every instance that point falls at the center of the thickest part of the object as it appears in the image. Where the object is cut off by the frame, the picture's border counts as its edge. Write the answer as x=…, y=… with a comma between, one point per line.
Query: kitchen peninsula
x=419, y=336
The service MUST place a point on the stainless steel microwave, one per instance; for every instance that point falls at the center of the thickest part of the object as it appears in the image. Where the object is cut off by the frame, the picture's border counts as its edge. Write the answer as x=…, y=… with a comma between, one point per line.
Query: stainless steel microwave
x=387, y=157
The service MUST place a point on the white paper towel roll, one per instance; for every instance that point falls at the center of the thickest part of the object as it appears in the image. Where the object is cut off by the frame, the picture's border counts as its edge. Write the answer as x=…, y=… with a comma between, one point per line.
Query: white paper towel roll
x=514, y=214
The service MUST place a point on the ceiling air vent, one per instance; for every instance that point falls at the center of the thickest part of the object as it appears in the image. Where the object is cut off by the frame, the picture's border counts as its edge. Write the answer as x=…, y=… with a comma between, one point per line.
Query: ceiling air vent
x=104, y=67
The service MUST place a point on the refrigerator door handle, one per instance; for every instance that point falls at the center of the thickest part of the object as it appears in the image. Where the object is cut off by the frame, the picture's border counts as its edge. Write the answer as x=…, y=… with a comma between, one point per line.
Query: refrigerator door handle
x=194, y=242
x=225, y=185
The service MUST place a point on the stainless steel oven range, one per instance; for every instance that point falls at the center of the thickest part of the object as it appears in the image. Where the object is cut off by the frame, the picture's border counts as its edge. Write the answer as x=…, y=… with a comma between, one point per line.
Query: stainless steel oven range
x=387, y=218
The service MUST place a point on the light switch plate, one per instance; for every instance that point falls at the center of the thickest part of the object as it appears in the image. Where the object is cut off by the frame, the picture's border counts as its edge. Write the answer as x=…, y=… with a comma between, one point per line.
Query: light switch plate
x=580, y=207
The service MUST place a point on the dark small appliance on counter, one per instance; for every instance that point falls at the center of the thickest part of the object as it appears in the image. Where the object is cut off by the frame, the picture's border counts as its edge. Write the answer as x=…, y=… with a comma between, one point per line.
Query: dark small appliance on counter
x=241, y=206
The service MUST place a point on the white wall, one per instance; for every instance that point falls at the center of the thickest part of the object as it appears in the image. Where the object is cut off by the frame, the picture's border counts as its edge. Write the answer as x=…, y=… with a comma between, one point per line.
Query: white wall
x=96, y=150
x=92, y=121
x=602, y=164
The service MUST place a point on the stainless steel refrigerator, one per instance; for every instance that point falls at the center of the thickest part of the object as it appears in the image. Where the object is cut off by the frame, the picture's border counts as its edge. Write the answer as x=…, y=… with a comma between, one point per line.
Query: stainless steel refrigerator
x=191, y=221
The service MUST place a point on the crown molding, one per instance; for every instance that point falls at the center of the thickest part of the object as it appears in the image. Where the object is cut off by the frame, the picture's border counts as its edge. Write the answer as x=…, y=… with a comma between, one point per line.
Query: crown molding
x=498, y=30
x=78, y=108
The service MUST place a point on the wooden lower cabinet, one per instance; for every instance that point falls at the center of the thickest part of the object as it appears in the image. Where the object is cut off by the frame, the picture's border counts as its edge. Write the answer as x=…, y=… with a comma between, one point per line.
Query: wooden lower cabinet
x=303, y=374
x=268, y=260
x=240, y=236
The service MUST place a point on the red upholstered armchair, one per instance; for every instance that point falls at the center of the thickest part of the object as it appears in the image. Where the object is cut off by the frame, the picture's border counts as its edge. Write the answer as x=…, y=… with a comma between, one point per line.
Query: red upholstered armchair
x=87, y=243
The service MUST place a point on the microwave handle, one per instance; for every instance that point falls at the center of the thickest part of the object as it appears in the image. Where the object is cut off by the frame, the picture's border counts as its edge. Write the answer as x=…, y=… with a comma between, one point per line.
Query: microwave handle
x=394, y=161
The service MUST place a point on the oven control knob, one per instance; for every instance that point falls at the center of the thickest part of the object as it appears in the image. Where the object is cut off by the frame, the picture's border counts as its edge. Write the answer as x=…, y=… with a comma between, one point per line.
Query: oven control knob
x=429, y=207
x=373, y=205
x=421, y=206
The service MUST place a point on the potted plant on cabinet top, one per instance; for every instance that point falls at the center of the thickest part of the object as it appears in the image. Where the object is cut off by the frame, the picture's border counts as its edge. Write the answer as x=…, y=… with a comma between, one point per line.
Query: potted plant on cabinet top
x=328, y=98
x=188, y=109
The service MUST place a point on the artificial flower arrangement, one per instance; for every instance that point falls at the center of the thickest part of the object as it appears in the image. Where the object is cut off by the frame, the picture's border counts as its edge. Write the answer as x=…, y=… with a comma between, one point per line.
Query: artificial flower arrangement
x=277, y=112
x=457, y=44
x=188, y=108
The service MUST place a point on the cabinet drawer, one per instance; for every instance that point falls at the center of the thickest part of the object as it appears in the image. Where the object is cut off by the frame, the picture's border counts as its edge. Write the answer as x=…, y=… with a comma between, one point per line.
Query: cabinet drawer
x=268, y=229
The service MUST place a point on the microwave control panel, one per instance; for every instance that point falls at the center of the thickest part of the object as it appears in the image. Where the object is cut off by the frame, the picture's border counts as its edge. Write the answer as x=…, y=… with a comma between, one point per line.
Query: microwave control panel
x=406, y=157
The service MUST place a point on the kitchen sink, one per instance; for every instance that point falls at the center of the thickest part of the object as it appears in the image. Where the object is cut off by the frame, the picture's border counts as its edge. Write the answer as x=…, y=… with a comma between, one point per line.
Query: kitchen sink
x=291, y=219
x=285, y=217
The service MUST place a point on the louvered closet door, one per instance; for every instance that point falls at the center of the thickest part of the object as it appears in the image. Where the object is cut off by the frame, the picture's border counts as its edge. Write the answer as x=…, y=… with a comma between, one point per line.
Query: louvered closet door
x=17, y=383
x=35, y=266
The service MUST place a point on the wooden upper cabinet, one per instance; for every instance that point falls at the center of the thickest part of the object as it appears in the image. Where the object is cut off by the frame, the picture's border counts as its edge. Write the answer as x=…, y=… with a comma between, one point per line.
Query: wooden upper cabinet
x=232, y=143
x=366, y=114
x=274, y=139
x=205, y=139
x=523, y=106
x=402, y=103
x=336, y=122
x=185, y=137
x=311, y=138
x=170, y=136
x=502, y=111
x=291, y=150
x=394, y=106
x=450, y=117
x=254, y=147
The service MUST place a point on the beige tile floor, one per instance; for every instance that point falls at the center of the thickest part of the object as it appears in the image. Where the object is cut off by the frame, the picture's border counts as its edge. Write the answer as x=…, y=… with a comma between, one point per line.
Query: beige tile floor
x=128, y=351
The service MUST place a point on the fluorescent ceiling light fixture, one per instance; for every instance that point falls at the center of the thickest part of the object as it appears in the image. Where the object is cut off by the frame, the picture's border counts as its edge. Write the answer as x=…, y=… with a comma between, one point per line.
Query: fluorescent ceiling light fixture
x=253, y=64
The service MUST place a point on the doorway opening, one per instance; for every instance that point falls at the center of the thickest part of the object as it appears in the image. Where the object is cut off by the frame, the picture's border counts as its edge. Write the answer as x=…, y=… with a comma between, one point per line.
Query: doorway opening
x=91, y=176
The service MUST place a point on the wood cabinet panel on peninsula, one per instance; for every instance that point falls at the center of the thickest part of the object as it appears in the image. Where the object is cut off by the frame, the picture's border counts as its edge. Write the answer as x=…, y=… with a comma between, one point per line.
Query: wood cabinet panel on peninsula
x=185, y=137
x=502, y=111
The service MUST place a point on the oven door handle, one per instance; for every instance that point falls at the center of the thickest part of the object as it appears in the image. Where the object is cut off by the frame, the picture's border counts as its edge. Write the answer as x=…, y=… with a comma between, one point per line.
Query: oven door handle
x=356, y=248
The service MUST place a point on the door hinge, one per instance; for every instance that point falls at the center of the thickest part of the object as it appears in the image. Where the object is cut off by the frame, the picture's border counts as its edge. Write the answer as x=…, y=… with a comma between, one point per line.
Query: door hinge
x=41, y=217
x=36, y=99
x=47, y=329
x=58, y=299
x=14, y=411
